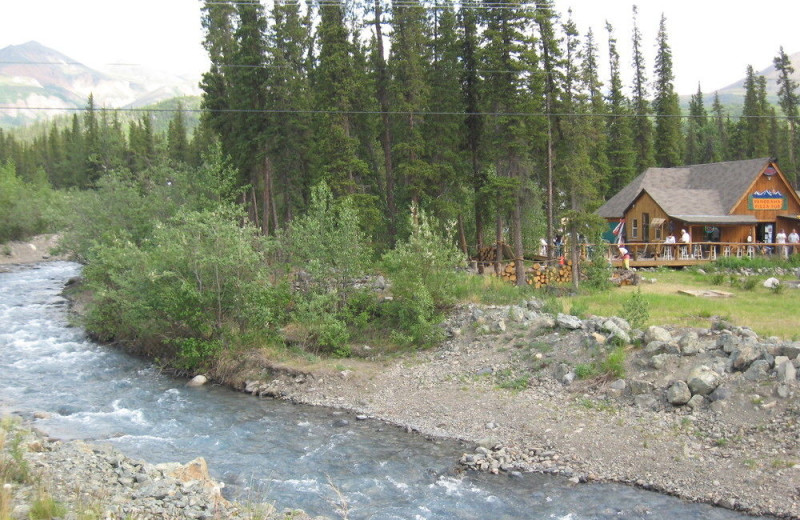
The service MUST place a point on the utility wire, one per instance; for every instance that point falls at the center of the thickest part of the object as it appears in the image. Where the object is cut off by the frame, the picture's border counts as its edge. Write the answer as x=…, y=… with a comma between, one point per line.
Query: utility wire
x=379, y=112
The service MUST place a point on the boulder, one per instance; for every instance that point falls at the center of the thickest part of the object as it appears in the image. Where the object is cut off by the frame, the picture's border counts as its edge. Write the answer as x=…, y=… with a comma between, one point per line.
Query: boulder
x=727, y=342
x=690, y=344
x=703, y=380
x=786, y=371
x=758, y=371
x=696, y=402
x=198, y=380
x=721, y=393
x=616, y=331
x=640, y=387
x=678, y=394
x=657, y=334
x=660, y=347
x=744, y=355
x=568, y=321
x=516, y=314
x=660, y=360
x=771, y=283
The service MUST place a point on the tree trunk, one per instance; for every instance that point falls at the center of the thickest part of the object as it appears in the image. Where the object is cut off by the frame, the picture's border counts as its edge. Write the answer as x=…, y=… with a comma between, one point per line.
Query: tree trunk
x=386, y=135
x=519, y=262
x=498, y=254
x=462, y=238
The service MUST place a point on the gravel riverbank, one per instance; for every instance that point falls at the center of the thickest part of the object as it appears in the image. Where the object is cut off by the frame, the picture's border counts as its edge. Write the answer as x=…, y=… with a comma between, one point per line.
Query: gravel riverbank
x=706, y=415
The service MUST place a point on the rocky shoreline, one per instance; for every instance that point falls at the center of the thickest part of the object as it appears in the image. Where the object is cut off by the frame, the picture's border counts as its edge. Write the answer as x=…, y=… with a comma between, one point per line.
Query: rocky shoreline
x=97, y=481
x=708, y=415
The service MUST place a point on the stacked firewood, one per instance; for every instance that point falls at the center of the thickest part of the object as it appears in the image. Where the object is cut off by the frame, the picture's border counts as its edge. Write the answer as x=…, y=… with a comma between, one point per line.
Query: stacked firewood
x=540, y=275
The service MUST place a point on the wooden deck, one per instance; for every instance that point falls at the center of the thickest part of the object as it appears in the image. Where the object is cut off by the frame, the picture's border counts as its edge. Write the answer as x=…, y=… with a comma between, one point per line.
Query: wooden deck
x=695, y=253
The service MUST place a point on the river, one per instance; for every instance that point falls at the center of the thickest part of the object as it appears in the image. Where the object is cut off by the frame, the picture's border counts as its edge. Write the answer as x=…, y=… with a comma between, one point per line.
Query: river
x=317, y=459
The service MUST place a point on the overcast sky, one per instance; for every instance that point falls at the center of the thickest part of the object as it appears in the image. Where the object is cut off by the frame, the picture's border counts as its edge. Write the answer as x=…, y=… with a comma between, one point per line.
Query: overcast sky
x=712, y=41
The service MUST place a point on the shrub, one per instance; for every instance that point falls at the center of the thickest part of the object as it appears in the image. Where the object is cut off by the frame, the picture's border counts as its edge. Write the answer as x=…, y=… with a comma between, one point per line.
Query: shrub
x=614, y=363
x=636, y=309
x=424, y=274
x=27, y=208
x=189, y=291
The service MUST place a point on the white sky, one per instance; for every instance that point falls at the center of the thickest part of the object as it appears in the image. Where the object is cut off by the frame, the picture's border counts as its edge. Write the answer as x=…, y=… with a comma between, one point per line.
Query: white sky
x=712, y=41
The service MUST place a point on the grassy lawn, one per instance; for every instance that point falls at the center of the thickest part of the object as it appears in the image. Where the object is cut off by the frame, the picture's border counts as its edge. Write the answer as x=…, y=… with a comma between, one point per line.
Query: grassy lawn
x=766, y=311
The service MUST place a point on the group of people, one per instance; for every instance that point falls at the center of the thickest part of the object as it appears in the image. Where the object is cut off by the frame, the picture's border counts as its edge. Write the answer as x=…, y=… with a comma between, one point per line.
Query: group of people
x=793, y=239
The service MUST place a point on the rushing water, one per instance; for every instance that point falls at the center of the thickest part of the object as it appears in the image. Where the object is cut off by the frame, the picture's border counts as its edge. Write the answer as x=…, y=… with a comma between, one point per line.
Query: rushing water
x=297, y=456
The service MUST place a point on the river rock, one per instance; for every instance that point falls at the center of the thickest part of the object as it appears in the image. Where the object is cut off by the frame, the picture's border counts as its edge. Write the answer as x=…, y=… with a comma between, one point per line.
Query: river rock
x=703, y=380
x=771, y=282
x=678, y=393
x=198, y=380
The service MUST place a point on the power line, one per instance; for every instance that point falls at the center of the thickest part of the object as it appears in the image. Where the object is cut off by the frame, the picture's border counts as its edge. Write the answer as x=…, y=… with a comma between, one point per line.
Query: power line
x=380, y=112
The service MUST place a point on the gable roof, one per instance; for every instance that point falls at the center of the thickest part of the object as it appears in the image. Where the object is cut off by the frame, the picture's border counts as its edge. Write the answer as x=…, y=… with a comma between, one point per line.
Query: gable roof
x=699, y=189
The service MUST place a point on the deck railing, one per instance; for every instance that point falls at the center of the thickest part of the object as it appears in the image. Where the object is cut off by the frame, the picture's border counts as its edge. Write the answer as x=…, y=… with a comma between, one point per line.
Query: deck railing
x=694, y=251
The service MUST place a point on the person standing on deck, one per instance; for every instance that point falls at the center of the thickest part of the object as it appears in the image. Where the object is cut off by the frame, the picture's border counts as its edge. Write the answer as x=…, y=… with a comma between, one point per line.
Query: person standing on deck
x=780, y=238
x=794, y=238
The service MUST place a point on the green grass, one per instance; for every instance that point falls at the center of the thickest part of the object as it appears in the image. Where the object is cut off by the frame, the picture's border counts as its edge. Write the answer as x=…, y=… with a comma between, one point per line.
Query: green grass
x=755, y=307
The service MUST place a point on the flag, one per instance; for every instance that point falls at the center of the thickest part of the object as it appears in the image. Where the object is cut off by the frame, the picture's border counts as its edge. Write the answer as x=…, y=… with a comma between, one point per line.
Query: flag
x=619, y=231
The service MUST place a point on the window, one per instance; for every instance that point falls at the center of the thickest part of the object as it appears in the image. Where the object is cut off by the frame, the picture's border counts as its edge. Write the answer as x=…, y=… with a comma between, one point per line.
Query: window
x=646, y=227
x=635, y=228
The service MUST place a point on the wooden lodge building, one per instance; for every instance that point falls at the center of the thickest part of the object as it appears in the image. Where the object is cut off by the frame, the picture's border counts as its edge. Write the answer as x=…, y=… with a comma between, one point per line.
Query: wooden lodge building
x=719, y=204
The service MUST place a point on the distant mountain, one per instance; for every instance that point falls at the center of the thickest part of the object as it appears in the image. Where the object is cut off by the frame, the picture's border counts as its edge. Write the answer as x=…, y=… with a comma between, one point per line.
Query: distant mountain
x=732, y=96
x=33, y=77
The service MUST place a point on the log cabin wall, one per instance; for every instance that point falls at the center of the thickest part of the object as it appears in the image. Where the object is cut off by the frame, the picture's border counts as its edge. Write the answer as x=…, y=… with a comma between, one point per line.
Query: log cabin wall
x=639, y=220
x=775, y=182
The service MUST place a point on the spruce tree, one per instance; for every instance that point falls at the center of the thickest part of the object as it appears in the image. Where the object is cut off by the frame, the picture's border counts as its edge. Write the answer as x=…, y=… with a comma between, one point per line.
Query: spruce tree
x=621, y=154
x=668, y=136
x=789, y=101
x=754, y=125
x=642, y=126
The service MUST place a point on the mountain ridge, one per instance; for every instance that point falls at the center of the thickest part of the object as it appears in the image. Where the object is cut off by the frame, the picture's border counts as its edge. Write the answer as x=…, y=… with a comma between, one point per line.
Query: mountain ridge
x=37, y=81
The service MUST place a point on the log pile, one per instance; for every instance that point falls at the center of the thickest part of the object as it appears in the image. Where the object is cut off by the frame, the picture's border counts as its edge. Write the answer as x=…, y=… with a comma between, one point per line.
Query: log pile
x=540, y=275
x=625, y=277
x=488, y=255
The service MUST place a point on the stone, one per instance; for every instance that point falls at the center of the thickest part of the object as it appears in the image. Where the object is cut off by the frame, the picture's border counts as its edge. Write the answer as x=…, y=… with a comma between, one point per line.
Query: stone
x=658, y=361
x=198, y=380
x=646, y=401
x=720, y=394
x=615, y=331
x=771, y=283
x=660, y=347
x=744, y=355
x=516, y=314
x=758, y=371
x=696, y=402
x=703, y=380
x=639, y=387
x=678, y=394
x=786, y=371
x=568, y=321
x=657, y=334
x=619, y=385
x=499, y=325
x=727, y=342
x=690, y=344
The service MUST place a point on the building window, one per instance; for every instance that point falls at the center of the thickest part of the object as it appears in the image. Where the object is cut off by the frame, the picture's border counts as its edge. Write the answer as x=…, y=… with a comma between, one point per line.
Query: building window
x=635, y=228
x=646, y=227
